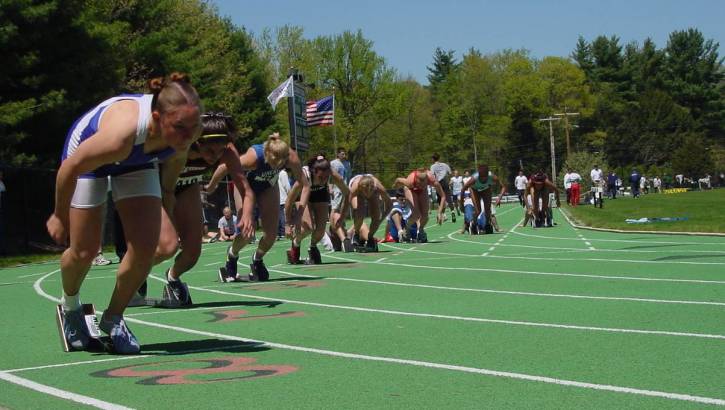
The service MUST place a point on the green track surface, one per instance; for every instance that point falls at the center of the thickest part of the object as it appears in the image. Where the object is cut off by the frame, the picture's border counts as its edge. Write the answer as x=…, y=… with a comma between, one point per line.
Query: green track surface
x=616, y=317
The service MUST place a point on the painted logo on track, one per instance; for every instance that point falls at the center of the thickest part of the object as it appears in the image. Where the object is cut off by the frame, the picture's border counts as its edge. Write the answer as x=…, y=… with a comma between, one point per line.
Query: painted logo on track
x=234, y=315
x=214, y=370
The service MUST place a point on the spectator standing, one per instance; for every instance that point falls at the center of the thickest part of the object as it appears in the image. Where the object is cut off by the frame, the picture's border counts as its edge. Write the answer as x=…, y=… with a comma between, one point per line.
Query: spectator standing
x=456, y=186
x=575, y=181
x=643, y=185
x=567, y=186
x=442, y=173
x=521, y=181
x=657, y=185
x=634, y=179
x=341, y=166
x=612, y=184
x=284, y=188
x=597, y=185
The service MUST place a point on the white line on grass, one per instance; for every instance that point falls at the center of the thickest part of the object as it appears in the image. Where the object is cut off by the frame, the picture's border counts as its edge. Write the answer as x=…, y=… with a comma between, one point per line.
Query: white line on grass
x=63, y=394
x=508, y=292
x=571, y=259
x=623, y=240
x=488, y=372
x=498, y=270
x=461, y=318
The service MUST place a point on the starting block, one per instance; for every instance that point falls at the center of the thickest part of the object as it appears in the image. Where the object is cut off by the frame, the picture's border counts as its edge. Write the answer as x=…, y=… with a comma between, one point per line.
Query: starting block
x=97, y=342
x=365, y=248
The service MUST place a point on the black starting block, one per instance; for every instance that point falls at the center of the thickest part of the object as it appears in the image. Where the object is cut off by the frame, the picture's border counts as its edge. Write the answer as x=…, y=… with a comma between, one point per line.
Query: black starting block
x=365, y=248
x=97, y=342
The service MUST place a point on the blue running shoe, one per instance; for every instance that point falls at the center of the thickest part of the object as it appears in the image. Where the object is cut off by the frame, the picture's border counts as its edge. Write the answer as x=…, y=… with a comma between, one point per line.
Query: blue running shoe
x=74, y=329
x=124, y=342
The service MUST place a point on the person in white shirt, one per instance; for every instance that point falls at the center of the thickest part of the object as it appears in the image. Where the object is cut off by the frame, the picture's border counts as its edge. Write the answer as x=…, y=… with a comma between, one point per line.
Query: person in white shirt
x=643, y=185
x=521, y=181
x=657, y=184
x=284, y=187
x=597, y=186
x=567, y=186
x=227, y=225
x=575, y=187
x=456, y=186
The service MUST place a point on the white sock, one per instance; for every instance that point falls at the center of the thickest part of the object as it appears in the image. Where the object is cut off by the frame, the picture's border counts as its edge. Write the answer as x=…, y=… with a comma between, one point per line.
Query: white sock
x=70, y=302
x=231, y=254
x=257, y=256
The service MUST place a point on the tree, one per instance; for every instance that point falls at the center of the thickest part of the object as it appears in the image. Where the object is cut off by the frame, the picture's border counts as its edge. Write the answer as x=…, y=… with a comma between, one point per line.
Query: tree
x=444, y=63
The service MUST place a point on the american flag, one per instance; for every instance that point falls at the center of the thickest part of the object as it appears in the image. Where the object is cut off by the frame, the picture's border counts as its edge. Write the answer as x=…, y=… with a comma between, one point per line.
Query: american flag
x=321, y=112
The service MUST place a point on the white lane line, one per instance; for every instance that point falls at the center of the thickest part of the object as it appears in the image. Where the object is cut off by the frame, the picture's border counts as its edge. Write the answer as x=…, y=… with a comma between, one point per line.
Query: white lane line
x=624, y=240
x=463, y=318
x=485, y=254
x=380, y=260
x=599, y=249
x=497, y=270
x=586, y=259
x=488, y=372
x=507, y=292
x=63, y=394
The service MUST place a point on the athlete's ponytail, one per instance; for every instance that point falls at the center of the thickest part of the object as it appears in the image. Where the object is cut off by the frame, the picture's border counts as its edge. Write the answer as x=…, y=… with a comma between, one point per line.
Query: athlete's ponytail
x=172, y=91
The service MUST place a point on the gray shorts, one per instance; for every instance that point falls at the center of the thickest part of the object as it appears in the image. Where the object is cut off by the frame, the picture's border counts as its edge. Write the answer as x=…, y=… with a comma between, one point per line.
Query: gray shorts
x=92, y=192
x=336, y=201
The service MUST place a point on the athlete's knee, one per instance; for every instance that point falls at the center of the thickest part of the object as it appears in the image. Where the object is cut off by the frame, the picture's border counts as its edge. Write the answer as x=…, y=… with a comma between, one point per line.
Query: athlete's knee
x=166, y=249
x=82, y=256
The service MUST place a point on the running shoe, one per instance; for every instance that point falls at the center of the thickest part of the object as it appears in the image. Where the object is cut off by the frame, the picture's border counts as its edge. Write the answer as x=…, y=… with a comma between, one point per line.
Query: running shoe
x=405, y=236
x=293, y=255
x=124, y=342
x=314, y=256
x=259, y=272
x=74, y=329
x=422, y=237
x=347, y=245
x=231, y=264
x=176, y=292
x=372, y=245
x=100, y=260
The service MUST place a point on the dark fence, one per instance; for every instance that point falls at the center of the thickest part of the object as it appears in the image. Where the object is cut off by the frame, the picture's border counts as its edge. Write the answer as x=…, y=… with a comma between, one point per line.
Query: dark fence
x=29, y=201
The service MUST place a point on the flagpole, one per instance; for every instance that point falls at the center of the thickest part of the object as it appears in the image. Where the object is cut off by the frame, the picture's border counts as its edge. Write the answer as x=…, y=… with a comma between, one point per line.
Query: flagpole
x=334, y=126
x=294, y=115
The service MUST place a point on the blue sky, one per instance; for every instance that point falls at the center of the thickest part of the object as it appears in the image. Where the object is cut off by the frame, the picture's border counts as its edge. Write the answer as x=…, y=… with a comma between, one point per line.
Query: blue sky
x=407, y=32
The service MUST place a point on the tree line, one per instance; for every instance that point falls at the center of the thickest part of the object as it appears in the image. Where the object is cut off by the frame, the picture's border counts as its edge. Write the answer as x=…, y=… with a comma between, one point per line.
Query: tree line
x=659, y=109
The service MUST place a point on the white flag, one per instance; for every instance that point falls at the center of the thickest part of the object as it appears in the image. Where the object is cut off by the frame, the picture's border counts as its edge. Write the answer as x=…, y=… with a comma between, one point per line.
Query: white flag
x=286, y=89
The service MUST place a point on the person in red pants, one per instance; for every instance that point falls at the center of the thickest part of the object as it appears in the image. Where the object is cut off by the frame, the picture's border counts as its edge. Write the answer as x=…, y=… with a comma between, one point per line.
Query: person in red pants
x=575, y=179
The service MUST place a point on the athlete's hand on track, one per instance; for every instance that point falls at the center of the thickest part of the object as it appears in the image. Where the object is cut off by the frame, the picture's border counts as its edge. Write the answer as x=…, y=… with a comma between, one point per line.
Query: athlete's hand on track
x=58, y=229
x=439, y=218
x=288, y=231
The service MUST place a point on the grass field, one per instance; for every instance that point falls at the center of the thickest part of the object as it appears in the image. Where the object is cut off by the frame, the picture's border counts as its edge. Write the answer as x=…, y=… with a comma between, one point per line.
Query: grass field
x=704, y=210
x=545, y=318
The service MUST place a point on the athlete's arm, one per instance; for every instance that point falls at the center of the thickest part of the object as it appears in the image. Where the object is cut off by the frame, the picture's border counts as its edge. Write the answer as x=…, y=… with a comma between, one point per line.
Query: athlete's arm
x=403, y=182
x=503, y=190
x=293, y=162
x=231, y=160
x=219, y=173
x=556, y=190
x=169, y=173
x=112, y=142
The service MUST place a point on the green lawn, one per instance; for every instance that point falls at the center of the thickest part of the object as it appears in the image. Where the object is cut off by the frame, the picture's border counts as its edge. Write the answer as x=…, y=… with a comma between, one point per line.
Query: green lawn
x=703, y=208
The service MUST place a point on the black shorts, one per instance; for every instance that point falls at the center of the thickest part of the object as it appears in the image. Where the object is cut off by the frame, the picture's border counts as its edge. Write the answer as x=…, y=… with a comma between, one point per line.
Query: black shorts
x=321, y=195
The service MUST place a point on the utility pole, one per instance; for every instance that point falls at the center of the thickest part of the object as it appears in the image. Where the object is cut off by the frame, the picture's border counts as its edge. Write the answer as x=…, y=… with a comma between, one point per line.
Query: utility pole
x=551, y=120
x=566, y=116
